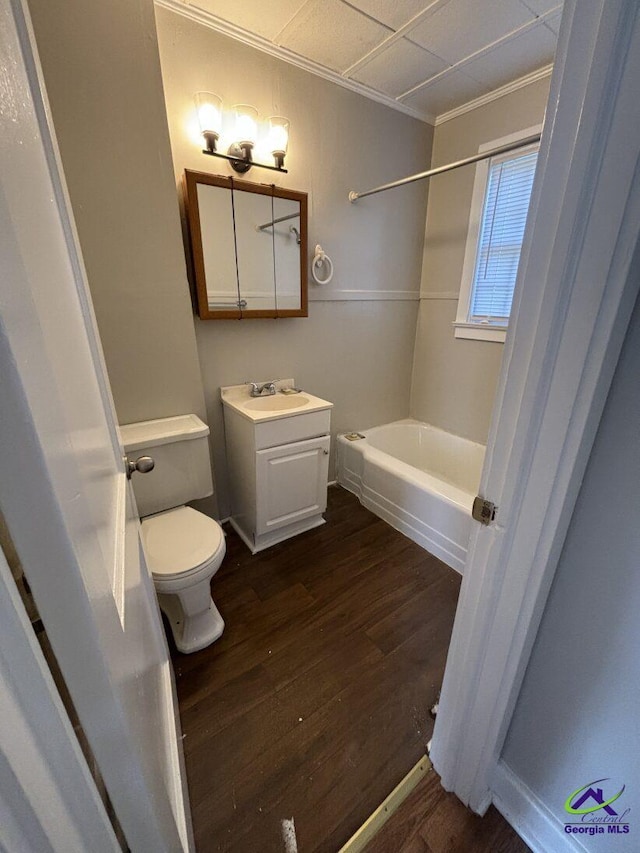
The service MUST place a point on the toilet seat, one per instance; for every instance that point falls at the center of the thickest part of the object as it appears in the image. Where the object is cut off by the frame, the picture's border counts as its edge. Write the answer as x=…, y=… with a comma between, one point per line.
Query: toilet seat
x=181, y=543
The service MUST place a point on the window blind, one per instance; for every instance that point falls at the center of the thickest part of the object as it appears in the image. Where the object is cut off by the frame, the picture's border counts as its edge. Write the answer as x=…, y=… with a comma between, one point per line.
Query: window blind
x=504, y=217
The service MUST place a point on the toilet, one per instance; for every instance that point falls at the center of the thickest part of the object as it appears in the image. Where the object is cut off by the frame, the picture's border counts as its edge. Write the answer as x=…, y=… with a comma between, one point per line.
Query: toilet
x=184, y=548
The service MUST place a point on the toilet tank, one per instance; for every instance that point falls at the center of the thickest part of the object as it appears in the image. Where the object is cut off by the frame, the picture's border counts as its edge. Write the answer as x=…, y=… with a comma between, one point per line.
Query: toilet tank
x=179, y=447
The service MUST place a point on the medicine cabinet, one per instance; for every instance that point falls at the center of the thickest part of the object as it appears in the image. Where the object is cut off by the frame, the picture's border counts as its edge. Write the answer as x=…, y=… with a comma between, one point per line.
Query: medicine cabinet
x=248, y=247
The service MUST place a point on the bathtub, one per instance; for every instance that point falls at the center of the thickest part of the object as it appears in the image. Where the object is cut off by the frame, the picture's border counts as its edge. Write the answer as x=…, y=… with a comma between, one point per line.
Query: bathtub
x=419, y=479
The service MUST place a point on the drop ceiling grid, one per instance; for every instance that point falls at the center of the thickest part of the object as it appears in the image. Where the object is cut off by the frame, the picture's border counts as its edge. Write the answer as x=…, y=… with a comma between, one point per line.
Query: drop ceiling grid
x=450, y=34
x=398, y=34
x=446, y=93
x=462, y=27
x=397, y=14
x=539, y=7
x=332, y=32
x=503, y=57
x=429, y=55
x=251, y=15
x=399, y=68
x=521, y=54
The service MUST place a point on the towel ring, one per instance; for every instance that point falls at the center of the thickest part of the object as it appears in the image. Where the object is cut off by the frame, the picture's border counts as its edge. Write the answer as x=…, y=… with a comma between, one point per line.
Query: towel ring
x=319, y=259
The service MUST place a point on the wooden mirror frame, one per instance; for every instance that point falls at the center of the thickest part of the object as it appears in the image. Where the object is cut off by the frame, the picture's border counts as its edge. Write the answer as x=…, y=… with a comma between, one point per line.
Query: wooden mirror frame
x=191, y=181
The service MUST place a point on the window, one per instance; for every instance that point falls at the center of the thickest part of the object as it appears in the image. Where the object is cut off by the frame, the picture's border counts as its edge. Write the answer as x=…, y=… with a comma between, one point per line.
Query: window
x=501, y=196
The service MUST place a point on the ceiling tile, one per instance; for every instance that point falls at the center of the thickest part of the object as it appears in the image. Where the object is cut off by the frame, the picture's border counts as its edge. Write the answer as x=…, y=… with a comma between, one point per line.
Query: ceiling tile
x=400, y=67
x=332, y=33
x=250, y=14
x=554, y=23
x=394, y=15
x=462, y=27
x=515, y=58
x=449, y=91
x=539, y=7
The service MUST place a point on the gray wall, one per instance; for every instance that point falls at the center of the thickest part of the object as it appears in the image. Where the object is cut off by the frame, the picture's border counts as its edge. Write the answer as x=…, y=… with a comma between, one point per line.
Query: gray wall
x=454, y=380
x=102, y=73
x=576, y=718
x=358, y=354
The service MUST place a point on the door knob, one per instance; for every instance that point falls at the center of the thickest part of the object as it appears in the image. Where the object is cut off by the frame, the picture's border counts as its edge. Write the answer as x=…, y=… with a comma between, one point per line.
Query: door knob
x=143, y=464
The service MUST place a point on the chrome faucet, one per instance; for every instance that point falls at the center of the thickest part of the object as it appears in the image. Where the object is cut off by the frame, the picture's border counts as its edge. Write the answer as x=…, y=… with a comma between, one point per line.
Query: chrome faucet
x=264, y=390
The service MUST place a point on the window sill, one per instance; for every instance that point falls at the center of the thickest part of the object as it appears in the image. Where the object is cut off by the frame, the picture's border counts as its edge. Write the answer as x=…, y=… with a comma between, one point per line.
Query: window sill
x=478, y=332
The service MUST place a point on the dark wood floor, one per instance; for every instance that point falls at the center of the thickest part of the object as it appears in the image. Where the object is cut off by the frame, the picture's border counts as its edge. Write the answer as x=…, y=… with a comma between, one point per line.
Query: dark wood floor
x=432, y=821
x=314, y=703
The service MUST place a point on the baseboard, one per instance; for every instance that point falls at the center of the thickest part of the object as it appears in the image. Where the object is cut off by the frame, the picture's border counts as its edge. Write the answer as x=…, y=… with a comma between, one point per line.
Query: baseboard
x=534, y=822
x=381, y=815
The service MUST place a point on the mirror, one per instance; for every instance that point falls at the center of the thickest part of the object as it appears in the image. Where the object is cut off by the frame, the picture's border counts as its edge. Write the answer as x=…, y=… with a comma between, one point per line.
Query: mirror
x=248, y=247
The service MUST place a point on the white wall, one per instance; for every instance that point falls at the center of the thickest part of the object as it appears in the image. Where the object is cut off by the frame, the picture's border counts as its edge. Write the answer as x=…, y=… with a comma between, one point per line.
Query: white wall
x=358, y=354
x=576, y=718
x=454, y=380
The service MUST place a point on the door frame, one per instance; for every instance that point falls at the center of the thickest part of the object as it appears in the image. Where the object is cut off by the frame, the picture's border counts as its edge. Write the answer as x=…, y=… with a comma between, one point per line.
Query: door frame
x=577, y=285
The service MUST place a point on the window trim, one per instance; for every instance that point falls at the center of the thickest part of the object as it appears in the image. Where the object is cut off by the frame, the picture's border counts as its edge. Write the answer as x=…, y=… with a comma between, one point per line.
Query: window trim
x=462, y=327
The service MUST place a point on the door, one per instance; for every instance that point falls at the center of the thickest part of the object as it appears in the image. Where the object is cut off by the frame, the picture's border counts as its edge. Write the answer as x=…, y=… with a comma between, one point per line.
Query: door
x=291, y=483
x=63, y=489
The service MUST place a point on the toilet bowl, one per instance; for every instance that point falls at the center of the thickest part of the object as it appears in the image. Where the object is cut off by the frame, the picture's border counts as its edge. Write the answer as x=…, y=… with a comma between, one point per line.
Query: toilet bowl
x=184, y=550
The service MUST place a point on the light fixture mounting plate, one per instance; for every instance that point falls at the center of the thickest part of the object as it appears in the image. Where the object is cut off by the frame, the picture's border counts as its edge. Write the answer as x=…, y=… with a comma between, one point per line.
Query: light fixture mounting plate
x=239, y=161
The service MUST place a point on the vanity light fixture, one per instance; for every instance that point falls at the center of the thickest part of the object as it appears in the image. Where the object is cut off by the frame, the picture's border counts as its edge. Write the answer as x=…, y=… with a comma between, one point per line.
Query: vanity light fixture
x=209, y=107
x=278, y=138
x=245, y=133
x=245, y=136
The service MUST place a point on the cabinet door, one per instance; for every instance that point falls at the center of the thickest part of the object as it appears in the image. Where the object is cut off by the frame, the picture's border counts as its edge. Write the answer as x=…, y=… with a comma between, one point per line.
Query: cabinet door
x=291, y=483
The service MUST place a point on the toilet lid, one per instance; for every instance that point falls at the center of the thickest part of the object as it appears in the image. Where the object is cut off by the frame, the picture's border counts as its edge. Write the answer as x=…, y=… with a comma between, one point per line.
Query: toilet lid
x=180, y=540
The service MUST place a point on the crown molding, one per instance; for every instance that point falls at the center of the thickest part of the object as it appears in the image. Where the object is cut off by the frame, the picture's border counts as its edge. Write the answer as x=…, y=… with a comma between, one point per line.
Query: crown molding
x=226, y=28
x=520, y=83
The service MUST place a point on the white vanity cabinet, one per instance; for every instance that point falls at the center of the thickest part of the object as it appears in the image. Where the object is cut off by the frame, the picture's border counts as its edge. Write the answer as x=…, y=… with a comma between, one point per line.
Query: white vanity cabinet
x=278, y=461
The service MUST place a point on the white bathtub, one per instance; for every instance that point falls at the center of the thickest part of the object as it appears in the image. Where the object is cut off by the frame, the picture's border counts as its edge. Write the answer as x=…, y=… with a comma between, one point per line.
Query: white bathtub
x=419, y=479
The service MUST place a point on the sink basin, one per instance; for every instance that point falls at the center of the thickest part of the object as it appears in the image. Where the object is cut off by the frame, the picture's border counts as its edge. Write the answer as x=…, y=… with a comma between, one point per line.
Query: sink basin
x=276, y=403
x=273, y=407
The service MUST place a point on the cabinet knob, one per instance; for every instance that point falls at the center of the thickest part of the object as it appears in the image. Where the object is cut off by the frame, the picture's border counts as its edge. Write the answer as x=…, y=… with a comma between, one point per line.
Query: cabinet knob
x=326, y=452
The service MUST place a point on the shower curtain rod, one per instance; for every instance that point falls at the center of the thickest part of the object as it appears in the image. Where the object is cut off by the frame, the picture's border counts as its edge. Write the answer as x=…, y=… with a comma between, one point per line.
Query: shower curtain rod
x=501, y=149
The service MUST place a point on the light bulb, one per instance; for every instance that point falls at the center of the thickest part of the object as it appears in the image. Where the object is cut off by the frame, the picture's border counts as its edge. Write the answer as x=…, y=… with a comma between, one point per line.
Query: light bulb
x=278, y=138
x=209, y=108
x=246, y=131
